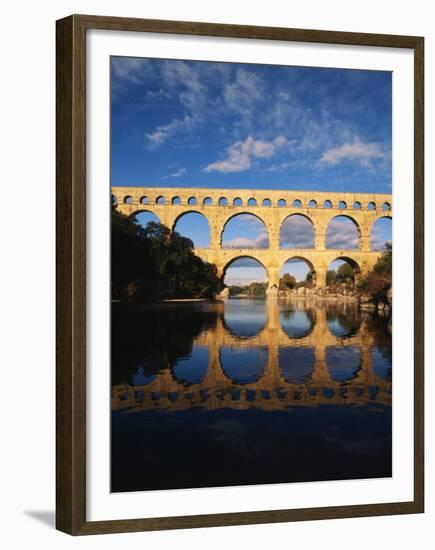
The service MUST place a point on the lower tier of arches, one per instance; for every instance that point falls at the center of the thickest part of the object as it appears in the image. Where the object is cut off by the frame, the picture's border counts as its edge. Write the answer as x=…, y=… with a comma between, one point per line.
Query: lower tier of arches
x=319, y=261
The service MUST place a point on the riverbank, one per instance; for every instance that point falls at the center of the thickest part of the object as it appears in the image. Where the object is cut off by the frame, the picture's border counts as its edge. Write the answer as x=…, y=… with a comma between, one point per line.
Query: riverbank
x=368, y=301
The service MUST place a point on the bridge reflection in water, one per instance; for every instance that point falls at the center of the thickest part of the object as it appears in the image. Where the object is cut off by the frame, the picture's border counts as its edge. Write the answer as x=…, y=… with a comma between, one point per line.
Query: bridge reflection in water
x=248, y=392
x=290, y=354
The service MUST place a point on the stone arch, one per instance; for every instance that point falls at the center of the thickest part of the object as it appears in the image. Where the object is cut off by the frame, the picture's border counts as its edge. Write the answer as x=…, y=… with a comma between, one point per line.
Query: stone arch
x=137, y=213
x=128, y=199
x=312, y=269
x=242, y=257
x=144, y=200
x=297, y=203
x=176, y=200
x=204, y=235
x=377, y=241
x=342, y=205
x=327, y=204
x=335, y=242
x=371, y=206
x=160, y=200
x=223, y=201
x=252, y=202
x=191, y=201
x=301, y=240
x=237, y=201
x=350, y=261
x=282, y=203
x=312, y=204
x=208, y=201
x=266, y=203
x=356, y=205
x=238, y=214
x=386, y=207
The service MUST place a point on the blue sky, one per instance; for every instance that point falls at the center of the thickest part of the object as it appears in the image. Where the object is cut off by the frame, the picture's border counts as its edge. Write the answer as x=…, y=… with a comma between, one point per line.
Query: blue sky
x=204, y=124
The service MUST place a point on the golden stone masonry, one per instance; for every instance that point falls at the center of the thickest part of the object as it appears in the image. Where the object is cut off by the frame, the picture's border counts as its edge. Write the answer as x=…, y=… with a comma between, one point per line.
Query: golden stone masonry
x=272, y=207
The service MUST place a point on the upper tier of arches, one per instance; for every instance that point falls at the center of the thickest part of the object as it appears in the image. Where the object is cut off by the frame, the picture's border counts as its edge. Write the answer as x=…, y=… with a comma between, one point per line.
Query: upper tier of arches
x=263, y=200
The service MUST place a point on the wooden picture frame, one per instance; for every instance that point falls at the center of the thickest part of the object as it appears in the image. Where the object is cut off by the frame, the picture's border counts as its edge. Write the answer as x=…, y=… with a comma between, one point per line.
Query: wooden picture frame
x=71, y=273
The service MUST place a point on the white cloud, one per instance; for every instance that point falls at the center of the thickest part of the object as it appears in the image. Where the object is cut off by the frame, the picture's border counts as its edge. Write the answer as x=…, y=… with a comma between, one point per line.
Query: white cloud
x=164, y=132
x=379, y=237
x=175, y=174
x=187, y=76
x=358, y=151
x=284, y=96
x=240, y=154
x=130, y=70
x=178, y=173
x=278, y=167
x=342, y=233
x=245, y=90
x=157, y=95
x=297, y=232
x=261, y=241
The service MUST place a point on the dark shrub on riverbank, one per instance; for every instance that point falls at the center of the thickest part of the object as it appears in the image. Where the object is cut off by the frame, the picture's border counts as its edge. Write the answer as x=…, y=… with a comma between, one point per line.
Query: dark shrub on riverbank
x=153, y=263
x=378, y=282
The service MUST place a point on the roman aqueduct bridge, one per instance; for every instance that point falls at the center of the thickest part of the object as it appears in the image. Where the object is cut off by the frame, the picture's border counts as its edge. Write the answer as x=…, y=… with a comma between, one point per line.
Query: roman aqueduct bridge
x=272, y=207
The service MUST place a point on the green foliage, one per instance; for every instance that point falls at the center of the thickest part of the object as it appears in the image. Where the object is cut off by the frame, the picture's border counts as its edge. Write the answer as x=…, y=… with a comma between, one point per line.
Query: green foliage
x=345, y=273
x=253, y=289
x=379, y=280
x=287, y=281
x=362, y=283
x=330, y=277
x=257, y=289
x=384, y=265
x=153, y=262
x=237, y=289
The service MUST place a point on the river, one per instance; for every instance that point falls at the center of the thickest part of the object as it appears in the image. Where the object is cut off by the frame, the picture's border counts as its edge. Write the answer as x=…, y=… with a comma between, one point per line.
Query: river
x=248, y=391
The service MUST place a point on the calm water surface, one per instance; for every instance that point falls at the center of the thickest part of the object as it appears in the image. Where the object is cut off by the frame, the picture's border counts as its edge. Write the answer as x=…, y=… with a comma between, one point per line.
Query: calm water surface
x=247, y=392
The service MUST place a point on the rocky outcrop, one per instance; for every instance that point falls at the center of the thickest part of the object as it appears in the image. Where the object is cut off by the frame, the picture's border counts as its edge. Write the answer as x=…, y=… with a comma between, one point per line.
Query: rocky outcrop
x=366, y=302
x=383, y=305
x=390, y=296
x=224, y=294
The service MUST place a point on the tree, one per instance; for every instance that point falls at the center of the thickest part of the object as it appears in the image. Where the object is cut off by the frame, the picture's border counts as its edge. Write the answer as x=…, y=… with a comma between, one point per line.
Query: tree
x=153, y=262
x=257, y=289
x=237, y=289
x=345, y=272
x=330, y=277
x=287, y=281
x=378, y=280
x=384, y=265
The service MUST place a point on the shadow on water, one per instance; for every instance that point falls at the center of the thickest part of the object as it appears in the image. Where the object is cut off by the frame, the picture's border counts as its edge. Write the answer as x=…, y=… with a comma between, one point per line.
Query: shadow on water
x=247, y=392
x=146, y=339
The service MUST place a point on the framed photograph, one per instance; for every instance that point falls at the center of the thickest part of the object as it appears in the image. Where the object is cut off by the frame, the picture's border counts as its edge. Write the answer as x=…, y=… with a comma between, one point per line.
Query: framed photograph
x=238, y=339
